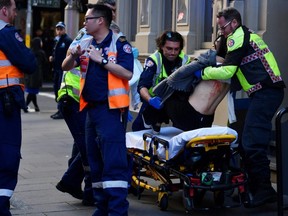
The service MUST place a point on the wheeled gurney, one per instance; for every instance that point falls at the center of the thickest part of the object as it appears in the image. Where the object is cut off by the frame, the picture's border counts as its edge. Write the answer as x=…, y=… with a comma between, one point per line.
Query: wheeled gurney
x=200, y=160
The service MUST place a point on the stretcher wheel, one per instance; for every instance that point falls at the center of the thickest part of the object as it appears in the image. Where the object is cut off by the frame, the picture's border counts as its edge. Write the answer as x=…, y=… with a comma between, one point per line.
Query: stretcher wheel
x=135, y=189
x=163, y=200
x=219, y=198
x=191, y=202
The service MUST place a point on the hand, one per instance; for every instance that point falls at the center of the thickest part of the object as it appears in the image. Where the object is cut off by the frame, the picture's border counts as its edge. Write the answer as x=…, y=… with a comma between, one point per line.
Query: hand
x=156, y=102
x=198, y=74
x=95, y=54
x=129, y=117
x=76, y=51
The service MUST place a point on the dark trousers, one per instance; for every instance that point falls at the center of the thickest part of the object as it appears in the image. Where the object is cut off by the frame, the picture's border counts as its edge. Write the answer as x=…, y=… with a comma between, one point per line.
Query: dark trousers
x=107, y=155
x=257, y=132
x=10, y=145
x=78, y=168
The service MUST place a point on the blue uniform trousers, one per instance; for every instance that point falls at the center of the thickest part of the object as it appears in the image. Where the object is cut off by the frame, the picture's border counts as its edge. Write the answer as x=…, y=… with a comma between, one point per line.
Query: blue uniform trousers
x=107, y=156
x=257, y=132
x=10, y=145
x=79, y=167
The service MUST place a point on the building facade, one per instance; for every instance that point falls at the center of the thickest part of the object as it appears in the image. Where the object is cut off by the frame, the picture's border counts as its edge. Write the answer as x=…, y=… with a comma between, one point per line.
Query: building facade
x=143, y=20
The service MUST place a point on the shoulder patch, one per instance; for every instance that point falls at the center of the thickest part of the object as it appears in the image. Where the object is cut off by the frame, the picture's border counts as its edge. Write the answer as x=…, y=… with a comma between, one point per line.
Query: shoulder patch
x=122, y=39
x=18, y=37
x=149, y=63
x=127, y=48
x=79, y=36
x=230, y=43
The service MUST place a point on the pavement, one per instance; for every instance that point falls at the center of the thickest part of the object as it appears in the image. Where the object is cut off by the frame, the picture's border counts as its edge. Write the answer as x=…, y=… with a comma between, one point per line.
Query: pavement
x=46, y=147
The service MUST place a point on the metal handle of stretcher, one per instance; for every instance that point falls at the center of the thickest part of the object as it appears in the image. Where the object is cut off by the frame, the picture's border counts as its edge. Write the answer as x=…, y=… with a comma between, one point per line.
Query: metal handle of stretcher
x=211, y=141
x=156, y=140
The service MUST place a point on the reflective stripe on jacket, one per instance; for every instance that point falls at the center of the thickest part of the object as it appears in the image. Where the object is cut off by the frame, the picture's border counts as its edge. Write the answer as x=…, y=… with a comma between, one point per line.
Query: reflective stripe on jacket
x=250, y=59
x=70, y=84
x=118, y=89
x=9, y=74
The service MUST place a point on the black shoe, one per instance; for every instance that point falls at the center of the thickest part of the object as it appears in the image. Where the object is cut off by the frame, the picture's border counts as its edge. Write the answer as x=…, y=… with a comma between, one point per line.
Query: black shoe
x=76, y=193
x=37, y=109
x=88, y=202
x=58, y=116
x=26, y=110
x=52, y=116
x=156, y=128
x=263, y=194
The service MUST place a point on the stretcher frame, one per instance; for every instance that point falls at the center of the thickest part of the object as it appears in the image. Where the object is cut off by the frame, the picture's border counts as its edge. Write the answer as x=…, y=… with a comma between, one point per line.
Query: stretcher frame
x=147, y=164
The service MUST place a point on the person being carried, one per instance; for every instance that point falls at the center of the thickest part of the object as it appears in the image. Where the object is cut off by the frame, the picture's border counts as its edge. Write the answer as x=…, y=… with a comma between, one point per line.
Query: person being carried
x=189, y=102
x=157, y=67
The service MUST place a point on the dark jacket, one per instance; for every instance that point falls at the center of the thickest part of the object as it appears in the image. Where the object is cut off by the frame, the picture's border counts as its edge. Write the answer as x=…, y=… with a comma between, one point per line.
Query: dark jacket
x=35, y=80
x=60, y=50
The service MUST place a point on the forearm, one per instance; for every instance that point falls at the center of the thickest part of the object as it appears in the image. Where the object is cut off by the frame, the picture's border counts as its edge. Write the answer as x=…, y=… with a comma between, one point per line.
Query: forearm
x=69, y=63
x=144, y=93
x=118, y=70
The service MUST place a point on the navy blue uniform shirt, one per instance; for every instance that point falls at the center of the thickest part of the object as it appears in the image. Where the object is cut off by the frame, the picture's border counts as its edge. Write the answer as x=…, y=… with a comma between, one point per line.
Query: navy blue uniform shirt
x=96, y=83
x=19, y=55
x=14, y=48
x=60, y=51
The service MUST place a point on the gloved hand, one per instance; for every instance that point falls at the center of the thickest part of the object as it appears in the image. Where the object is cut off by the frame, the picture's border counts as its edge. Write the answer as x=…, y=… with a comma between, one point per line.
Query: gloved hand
x=156, y=102
x=198, y=74
x=130, y=117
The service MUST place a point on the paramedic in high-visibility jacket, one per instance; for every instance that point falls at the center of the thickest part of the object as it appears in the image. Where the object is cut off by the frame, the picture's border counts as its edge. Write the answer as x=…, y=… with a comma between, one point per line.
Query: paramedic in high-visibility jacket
x=15, y=60
x=252, y=66
x=106, y=64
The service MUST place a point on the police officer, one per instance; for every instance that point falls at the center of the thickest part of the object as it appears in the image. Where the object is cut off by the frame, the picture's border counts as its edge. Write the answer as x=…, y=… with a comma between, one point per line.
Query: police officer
x=15, y=60
x=158, y=66
x=106, y=67
x=59, y=53
x=68, y=99
x=252, y=66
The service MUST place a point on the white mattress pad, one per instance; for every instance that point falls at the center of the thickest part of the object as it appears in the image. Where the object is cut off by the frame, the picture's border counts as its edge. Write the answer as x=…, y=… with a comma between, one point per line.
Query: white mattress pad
x=176, y=138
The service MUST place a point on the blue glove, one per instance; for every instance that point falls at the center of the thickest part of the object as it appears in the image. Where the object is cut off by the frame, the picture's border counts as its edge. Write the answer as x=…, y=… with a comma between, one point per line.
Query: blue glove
x=156, y=102
x=198, y=74
x=130, y=117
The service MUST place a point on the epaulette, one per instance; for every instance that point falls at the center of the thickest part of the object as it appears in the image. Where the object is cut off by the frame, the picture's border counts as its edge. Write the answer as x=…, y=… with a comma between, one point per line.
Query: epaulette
x=122, y=39
x=79, y=36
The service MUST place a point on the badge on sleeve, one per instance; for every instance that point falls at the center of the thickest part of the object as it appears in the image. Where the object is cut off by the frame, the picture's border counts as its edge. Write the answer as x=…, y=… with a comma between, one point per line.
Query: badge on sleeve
x=149, y=63
x=231, y=43
x=127, y=48
x=18, y=37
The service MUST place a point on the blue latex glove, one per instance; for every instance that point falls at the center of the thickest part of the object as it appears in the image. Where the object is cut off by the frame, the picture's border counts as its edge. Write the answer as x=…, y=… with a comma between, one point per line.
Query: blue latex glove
x=198, y=74
x=130, y=117
x=156, y=102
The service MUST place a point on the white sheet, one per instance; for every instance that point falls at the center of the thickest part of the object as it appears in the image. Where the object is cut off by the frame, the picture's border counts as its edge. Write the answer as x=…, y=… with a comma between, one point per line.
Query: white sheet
x=176, y=138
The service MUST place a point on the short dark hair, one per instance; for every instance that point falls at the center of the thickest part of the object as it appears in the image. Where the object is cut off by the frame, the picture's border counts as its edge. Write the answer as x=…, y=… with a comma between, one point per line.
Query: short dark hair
x=5, y=3
x=229, y=14
x=110, y=2
x=101, y=10
x=170, y=36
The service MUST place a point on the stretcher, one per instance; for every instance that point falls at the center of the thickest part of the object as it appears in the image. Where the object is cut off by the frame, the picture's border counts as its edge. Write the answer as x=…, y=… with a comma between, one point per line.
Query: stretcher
x=195, y=162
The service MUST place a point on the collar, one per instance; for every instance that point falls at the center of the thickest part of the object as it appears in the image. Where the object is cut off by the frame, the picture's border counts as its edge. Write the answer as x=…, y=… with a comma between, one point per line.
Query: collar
x=3, y=24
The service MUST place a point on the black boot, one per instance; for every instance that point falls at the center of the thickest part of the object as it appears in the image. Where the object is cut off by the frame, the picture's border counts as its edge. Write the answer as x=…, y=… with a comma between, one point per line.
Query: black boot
x=262, y=194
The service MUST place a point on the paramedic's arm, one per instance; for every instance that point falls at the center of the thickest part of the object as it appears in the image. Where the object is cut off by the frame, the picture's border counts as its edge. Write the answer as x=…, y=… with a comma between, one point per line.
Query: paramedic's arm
x=70, y=60
x=125, y=60
x=146, y=79
x=145, y=94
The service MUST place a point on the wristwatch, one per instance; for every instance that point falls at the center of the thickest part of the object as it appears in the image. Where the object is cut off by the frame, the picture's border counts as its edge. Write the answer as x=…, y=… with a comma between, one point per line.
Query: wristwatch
x=104, y=62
